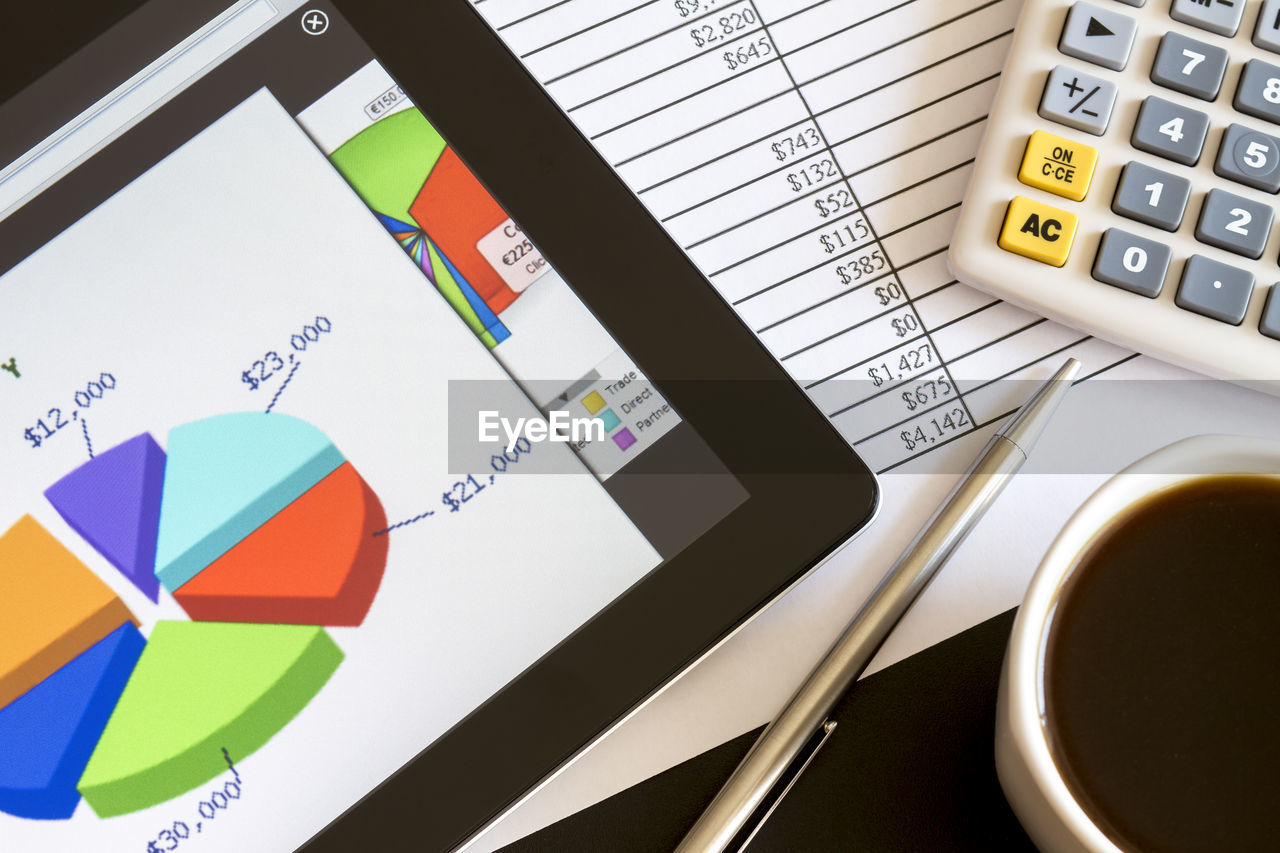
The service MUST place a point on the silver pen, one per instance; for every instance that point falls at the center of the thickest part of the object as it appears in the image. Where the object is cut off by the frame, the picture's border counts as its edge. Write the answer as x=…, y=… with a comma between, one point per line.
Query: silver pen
x=804, y=718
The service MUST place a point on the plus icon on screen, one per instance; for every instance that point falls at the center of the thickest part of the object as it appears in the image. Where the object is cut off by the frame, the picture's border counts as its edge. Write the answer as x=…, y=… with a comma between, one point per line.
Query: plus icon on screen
x=314, y=22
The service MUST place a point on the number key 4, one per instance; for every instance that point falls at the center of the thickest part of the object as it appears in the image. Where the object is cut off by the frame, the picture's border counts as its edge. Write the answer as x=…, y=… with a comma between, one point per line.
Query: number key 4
x=1170, y=130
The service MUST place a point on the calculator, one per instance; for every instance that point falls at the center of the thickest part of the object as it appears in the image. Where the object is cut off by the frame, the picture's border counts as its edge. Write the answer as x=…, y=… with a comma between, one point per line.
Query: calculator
x=1127, y=183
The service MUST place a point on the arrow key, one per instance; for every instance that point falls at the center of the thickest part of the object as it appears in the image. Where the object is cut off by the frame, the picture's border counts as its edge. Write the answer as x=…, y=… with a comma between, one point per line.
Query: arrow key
x=1101, y=36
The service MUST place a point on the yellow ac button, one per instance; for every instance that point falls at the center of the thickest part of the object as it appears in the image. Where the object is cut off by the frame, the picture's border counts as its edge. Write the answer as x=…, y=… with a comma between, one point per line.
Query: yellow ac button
x=1058, y=165
x=1038, y=231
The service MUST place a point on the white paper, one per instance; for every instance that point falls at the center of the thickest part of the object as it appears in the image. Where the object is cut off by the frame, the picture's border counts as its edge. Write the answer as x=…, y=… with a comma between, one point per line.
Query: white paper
x=738, y=124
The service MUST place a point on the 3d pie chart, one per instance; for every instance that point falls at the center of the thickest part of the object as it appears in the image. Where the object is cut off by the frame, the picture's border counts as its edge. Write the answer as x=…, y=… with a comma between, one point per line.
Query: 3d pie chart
x=264, y=534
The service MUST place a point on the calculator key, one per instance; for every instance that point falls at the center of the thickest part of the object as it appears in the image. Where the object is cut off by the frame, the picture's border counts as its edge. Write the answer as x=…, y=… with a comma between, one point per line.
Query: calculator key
x=1058, y=165
x=1038, y=231
x=1250, y=158
x=1098, y=35
x=1270, y=323
x=1266, y=34
x=1132, y=262
x=1216, y=16
x=1151, y=196
x=1259, y=91
x=1189, y=66
x=1078, y=100
x=1214, y=290
x=1170, y=130
x=1236, y=224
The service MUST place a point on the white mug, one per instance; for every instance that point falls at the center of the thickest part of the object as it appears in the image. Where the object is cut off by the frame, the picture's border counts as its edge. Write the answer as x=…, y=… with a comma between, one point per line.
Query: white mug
x=1035, y=788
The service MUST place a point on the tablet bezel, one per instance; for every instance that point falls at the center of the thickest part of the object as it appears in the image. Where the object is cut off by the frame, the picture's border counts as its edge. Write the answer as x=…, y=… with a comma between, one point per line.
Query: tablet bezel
x=809, y=493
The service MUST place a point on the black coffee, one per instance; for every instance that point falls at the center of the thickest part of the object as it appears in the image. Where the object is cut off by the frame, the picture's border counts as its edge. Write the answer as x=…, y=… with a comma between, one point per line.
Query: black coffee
x=1163, y=672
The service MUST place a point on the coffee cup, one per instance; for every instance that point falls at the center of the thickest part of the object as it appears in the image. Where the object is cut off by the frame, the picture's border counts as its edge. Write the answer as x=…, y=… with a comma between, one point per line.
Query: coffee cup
x=1029, y=765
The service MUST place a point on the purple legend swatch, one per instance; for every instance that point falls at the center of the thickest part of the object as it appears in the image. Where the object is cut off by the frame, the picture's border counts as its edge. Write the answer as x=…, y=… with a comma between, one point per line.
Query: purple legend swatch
x=624, y=438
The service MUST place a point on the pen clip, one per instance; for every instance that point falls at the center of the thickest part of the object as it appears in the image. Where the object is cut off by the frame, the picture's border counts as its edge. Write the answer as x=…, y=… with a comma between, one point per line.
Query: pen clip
x=783, y=787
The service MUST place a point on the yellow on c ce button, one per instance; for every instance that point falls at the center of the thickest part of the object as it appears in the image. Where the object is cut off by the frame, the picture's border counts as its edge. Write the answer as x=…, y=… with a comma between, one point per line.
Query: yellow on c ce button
x=1058, y=165
x=1038, y=231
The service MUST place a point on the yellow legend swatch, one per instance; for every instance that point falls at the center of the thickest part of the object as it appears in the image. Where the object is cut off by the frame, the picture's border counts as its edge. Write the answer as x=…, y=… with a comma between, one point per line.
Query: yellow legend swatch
x=52, y=608
x=1038, y=231
x=1058, y=165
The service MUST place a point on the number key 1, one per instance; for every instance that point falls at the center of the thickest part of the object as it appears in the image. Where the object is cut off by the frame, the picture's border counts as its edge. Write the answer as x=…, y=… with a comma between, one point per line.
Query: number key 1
x=1151, y=196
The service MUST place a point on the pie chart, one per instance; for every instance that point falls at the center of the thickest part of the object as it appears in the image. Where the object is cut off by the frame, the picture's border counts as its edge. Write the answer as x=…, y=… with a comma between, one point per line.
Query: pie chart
x=261, y=531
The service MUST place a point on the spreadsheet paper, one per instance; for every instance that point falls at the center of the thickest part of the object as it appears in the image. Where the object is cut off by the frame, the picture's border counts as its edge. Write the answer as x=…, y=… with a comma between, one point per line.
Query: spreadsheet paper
x=810, y=158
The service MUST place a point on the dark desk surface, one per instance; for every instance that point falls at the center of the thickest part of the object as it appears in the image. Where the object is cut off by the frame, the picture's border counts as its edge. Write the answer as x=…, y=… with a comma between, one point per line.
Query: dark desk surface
x=909, y=768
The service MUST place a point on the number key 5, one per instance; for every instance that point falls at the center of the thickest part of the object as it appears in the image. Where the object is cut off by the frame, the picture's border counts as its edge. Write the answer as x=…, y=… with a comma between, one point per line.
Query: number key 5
x=1250, y=158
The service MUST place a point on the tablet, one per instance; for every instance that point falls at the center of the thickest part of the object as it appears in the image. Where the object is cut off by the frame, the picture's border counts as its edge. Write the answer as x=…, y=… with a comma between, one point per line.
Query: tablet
x=368, y=450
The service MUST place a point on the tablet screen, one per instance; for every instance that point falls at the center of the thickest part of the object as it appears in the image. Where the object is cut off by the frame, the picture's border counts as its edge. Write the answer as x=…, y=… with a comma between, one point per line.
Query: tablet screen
x=307, y=449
